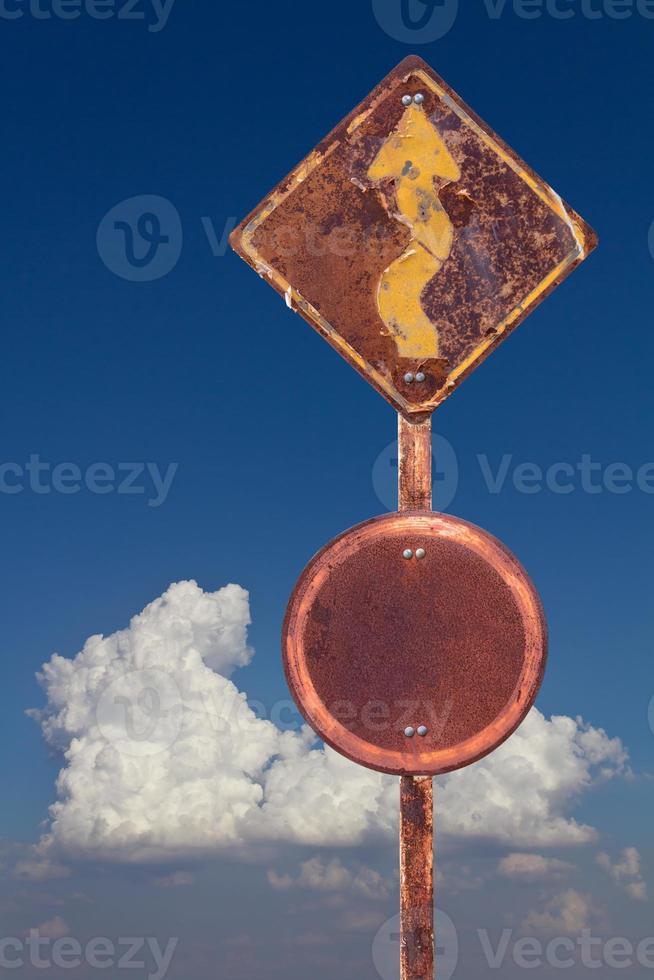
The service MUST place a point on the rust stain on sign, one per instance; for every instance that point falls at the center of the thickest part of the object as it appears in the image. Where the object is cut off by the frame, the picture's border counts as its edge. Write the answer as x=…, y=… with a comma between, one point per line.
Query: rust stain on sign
x=413, y=239
x=450, y=638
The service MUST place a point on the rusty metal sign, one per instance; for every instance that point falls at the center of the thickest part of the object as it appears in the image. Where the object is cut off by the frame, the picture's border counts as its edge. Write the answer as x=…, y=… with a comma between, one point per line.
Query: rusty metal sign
x=414, y=643
x=413, y=239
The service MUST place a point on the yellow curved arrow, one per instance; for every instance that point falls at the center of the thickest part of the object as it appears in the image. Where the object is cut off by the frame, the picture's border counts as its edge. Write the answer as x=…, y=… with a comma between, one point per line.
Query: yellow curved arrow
x=416, y=158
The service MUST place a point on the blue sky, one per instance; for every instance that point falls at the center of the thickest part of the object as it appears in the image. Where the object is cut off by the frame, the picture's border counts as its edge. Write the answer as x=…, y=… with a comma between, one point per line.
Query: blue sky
x=272, y=439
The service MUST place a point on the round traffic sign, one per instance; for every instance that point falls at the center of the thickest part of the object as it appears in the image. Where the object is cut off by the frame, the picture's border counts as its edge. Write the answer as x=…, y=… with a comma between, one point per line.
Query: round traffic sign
x=414, y=643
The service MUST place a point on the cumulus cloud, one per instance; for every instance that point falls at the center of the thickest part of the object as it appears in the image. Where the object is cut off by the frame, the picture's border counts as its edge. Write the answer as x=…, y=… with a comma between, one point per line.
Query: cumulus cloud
x=333, y=876
x=626, y=872
x=533, y=867
x=164, y=758
x=521, y=795
x=567, y=914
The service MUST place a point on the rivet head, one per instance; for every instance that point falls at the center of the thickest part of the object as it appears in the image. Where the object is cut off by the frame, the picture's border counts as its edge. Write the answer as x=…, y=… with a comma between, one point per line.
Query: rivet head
x=407, y=553
x=410, y=732
x=419, y=98
x=406, y=100
x=408, y=377
x=420, y=553
x=420, y=376
x=422, y=731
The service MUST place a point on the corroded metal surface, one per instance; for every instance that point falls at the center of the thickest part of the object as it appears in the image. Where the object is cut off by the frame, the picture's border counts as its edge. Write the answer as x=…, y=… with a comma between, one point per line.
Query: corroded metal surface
x=375, y=643
x=416, y=878
x=414, y=465
x=413, y=239
x=416, y=792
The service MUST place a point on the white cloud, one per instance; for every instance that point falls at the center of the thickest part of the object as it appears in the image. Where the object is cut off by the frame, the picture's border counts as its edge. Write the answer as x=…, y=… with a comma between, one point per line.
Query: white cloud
x=55, y=928
x=533, y=867
x=626, y=872
x=178, y=879
x=163, y=757
x=636, y=890
x=332, y=876
x=37, y=865
x=521, y=795
x=40, y=870
x=567, y=914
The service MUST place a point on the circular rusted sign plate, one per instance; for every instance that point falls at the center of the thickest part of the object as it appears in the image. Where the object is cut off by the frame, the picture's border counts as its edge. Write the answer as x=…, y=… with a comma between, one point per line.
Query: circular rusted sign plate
x=377, y=645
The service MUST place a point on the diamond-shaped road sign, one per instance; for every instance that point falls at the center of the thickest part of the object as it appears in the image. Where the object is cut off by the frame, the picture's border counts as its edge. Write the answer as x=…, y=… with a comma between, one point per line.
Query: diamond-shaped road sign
x=413, y=239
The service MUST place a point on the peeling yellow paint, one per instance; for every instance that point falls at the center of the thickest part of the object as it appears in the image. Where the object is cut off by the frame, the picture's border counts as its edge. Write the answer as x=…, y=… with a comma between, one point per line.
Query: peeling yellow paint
x=414, y=156
x=356, y=122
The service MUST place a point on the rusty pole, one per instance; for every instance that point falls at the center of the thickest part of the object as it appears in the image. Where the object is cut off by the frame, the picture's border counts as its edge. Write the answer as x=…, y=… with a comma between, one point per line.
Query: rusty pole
x=416, y=792
x=416, y=878
x=414, y=464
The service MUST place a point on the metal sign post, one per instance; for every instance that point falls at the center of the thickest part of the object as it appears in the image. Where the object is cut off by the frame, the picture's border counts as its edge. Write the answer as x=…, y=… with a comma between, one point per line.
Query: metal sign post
x=414, y=240
x=416, y=792
x=416, y=878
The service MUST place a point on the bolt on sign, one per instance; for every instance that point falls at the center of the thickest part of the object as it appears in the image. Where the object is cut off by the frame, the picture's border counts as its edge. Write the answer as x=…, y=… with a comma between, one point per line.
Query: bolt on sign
x=414, y=240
